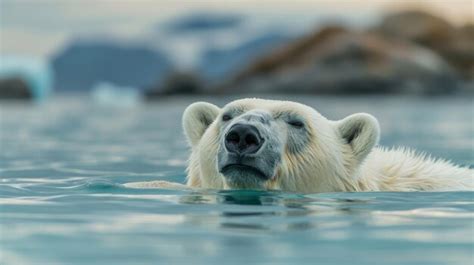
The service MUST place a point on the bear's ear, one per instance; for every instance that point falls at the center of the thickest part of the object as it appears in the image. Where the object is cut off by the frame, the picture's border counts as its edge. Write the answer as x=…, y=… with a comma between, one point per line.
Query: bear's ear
x=361, y=131
x=196, y=118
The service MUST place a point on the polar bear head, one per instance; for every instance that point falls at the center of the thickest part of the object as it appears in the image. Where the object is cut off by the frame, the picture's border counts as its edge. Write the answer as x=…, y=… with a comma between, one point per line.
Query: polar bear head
x=270, y=144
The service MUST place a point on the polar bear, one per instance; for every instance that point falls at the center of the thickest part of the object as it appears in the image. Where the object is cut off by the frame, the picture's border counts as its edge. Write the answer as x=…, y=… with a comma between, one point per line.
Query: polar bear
x=283, y=145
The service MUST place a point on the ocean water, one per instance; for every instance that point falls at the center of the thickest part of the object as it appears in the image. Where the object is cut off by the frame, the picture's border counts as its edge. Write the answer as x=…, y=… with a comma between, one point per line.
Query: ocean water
x=63, y=163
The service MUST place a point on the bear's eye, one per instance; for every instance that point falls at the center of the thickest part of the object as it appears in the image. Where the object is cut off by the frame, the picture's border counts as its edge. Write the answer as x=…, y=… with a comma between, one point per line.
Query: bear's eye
x=226, y=117
x=296, y=123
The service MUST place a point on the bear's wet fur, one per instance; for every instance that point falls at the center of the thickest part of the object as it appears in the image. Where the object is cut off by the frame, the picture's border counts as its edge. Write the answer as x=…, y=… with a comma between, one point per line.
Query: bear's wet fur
x=305, y=152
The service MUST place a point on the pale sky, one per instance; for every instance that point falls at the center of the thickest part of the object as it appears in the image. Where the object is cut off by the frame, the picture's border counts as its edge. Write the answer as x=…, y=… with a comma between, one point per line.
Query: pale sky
x=39, y=28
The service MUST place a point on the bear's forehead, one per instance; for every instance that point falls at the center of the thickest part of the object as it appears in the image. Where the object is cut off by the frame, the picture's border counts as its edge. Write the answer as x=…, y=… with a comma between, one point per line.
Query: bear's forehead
x=268, y=105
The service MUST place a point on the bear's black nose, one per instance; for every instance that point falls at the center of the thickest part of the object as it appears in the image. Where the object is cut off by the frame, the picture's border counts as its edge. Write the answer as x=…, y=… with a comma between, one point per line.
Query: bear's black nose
x=243, y=139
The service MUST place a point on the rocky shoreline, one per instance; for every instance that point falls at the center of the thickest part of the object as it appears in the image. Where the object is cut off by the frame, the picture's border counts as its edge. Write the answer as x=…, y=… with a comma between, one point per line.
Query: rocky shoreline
x=411, y=52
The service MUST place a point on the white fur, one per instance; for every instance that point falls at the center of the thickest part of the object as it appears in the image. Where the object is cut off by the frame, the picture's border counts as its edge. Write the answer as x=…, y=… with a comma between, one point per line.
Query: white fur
x=156, y=184
x=341, y=156
x=196, y=119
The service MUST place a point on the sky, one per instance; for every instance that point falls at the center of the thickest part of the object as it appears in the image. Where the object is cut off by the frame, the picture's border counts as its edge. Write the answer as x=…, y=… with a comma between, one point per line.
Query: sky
x=39, y=28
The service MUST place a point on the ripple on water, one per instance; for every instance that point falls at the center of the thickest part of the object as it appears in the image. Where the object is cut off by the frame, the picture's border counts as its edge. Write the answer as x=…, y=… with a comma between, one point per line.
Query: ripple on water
x=62, y=200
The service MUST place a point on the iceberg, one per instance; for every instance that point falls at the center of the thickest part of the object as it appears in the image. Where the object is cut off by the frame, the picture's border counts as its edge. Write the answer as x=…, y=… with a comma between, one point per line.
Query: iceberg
x=35, y=73
x=108, y=94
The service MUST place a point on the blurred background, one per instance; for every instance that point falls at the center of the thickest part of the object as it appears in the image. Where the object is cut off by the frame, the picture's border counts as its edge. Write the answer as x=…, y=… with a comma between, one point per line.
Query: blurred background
x=122, y=52
x=92, y=93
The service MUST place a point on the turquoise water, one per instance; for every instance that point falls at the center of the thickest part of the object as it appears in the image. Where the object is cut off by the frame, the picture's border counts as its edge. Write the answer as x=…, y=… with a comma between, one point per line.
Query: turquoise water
x=61, y=199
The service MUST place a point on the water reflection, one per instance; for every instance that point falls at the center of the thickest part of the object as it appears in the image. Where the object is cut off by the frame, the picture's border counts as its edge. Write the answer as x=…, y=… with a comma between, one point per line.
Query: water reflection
x=248, y=197
x=274, y=211
x=61, y=198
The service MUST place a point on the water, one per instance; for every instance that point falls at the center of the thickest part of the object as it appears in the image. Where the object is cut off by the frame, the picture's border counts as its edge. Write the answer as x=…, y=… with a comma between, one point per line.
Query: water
x=61, y=199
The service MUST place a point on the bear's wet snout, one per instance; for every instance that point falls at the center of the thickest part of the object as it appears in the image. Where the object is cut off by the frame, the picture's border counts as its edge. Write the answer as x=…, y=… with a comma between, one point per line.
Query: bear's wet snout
x=243, y=139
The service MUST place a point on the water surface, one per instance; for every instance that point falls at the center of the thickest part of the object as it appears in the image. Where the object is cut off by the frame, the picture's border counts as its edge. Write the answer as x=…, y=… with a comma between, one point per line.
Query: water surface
x=61, y=199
